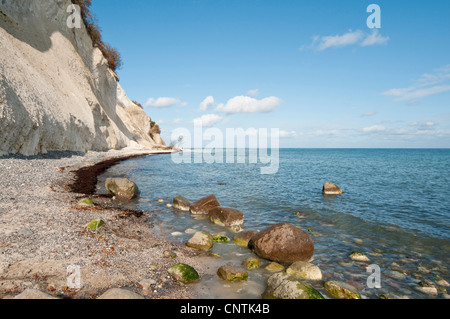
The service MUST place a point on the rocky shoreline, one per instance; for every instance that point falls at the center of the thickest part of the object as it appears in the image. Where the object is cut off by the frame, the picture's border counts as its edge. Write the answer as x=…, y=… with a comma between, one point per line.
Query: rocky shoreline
x=44, y=234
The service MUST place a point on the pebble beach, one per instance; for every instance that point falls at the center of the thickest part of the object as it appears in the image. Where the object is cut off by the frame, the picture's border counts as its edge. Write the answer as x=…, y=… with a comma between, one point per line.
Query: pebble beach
x=43, y=233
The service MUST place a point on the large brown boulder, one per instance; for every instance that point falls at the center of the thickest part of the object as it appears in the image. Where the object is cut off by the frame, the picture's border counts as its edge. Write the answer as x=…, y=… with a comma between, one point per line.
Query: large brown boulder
x=204, y=205
x=228, y=217
x=283, y=243
x=121, y=188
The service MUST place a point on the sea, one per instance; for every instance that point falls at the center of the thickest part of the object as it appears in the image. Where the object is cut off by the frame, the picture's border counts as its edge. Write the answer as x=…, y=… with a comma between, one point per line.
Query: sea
x=395, y=209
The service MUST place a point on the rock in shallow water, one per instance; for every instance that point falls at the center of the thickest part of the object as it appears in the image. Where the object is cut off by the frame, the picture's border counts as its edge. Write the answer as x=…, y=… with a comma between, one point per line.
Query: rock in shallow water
x=201, y=240
x=243, y=238
x=122, y=188
x=356, y=256
x=251, y=263
x=181, y=203
x=229, y=273
x=184, y=273
x=283, y=243
x=227, y=217
x=283, y=286
x=204, y=205
x=331, y=189
x=341, y=290
x=304, y=270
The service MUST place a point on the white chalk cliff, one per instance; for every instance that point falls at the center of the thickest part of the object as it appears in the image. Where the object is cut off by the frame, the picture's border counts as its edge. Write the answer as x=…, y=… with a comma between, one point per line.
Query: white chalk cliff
x=57, y=91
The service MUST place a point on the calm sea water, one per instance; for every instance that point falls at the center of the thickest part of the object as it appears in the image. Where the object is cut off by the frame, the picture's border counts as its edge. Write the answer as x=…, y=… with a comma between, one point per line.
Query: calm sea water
x=395, y=209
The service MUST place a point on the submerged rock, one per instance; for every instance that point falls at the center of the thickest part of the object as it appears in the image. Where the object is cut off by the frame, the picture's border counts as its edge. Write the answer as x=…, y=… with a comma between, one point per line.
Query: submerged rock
x=251, y=263
x=274, y=267
x=181, y=203
x=243, y=238
x=229, y=273
x=283, y=286
x=201, y=240
x=227, y=217
x=331, y=189
x=283, y=243
x=122, y=188
x=184, y=273
x=204, y=205
x=305, y=270
x=356, y=256
x=221, y=238
x=341, y=290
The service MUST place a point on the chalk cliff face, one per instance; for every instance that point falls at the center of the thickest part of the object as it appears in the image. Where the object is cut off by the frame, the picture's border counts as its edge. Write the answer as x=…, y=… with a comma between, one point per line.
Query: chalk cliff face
x=56, y=90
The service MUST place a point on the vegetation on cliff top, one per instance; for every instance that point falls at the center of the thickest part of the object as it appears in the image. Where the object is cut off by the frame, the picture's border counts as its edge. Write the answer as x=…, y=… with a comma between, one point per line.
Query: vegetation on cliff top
x=110, y=53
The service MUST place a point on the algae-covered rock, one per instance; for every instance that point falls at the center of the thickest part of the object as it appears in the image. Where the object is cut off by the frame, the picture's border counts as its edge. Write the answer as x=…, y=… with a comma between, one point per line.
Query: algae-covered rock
x=229, y=273
x=251, y=263
x=243, y=238
x=184, y=273
x=85, y=202
x=283, y=286
x=96, y=224
x=274, y=267
x=181, y=203
x=341, y=290
x=221, y=238
x=201, y=240
x=304, y=270
x=227, y=217
x=122, y=188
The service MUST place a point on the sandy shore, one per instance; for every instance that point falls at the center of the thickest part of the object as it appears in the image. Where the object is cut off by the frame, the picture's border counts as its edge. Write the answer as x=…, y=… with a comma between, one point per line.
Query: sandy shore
x=42, y=233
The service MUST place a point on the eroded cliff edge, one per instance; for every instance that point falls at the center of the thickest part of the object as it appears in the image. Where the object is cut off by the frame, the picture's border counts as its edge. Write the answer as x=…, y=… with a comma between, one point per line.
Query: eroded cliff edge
x=56, y=89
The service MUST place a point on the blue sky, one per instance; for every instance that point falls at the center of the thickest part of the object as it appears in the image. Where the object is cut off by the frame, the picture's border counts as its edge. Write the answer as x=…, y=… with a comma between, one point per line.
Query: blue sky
x=313, y=69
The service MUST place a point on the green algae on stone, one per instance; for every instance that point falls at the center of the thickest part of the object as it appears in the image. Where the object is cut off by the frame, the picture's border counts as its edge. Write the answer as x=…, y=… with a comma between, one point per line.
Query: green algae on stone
x=275, y=267
x=283, y=286
x=96, y=224
x=221, y=238
x=229, y=273
x=184, y=273
x=86, y=202
x=304, y=270
x=341, y=290
x=251, y=263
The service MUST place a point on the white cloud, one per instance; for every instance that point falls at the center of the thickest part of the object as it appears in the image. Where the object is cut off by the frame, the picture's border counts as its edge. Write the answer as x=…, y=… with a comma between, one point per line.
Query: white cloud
x=375, y=128
x=369, y=114
x=253, y=93
x=207, y=120
x=350, y=38
x=287, y=134
x=340, y=40
x=177, y=121
x=427, y=84
x=246, y=104
x=374, y=39
x=162, y=102
x=208, y=102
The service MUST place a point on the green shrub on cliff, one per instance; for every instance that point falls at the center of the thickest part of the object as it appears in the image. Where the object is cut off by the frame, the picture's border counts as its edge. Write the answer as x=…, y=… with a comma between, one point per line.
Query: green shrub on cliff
x=110, y=53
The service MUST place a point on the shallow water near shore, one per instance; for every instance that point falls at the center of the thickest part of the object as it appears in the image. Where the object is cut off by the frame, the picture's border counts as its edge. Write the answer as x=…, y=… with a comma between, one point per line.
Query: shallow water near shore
x=395, y=209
